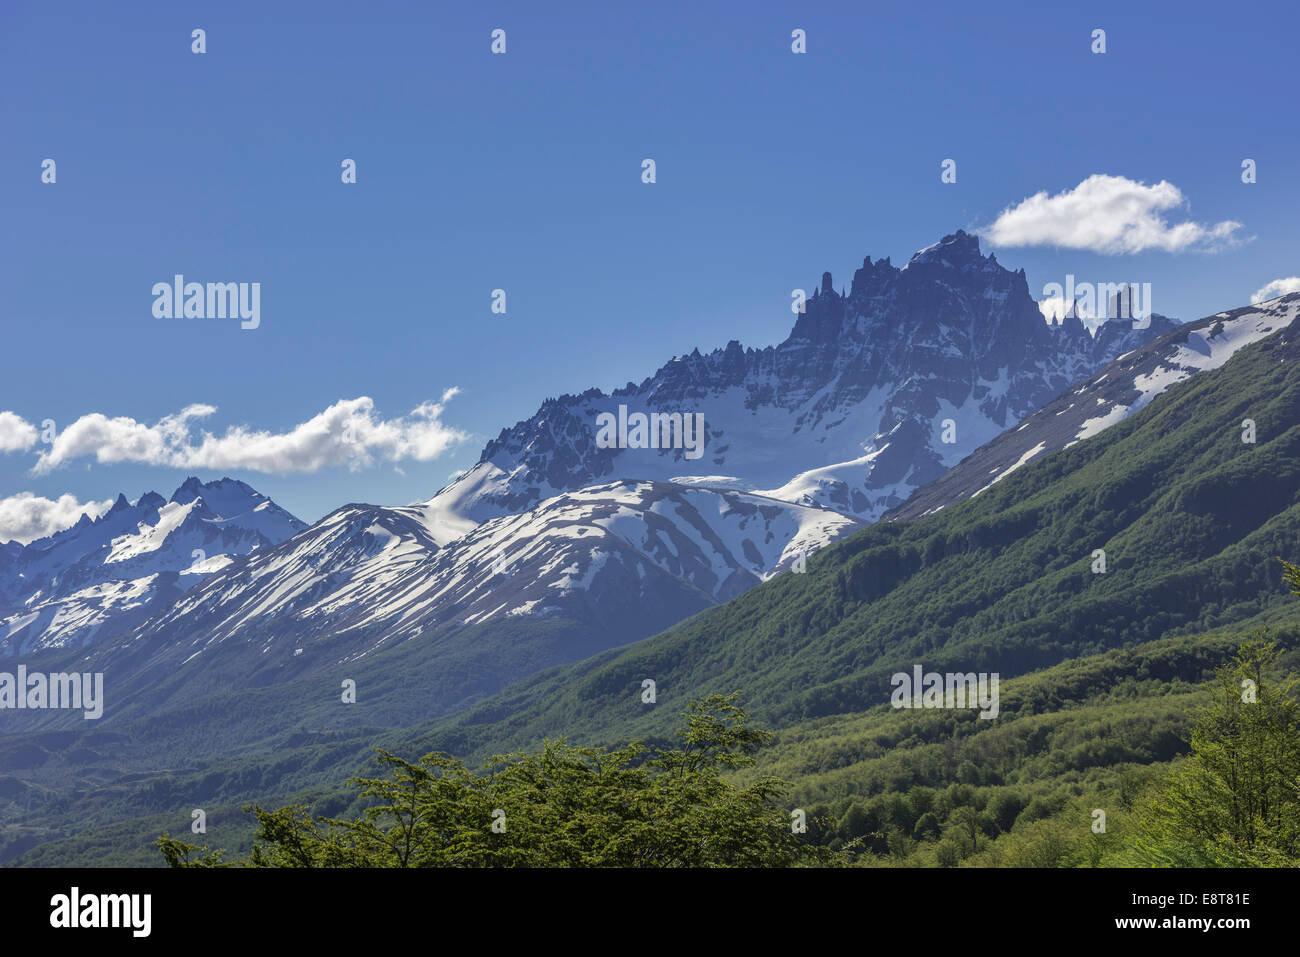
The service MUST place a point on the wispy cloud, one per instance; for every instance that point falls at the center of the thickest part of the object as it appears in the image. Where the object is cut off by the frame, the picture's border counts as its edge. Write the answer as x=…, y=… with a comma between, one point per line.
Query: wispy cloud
x=1278, y=287
x=26, y=516
x=347, y=433
x=1108, y=214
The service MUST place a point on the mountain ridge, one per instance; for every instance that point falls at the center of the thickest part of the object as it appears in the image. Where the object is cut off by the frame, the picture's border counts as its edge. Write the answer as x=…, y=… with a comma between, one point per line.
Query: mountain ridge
x=859, y=390
x=1118, y=390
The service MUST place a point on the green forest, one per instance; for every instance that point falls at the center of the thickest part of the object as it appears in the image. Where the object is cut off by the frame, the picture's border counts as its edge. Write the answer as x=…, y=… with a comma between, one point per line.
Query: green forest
x=1095, y=781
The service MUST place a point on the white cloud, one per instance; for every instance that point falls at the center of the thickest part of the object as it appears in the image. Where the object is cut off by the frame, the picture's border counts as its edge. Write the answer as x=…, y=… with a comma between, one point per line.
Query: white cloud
x=347, y=433
x=1107, y=214
x=26, y=517
x=1278, y=287
x=16, y=433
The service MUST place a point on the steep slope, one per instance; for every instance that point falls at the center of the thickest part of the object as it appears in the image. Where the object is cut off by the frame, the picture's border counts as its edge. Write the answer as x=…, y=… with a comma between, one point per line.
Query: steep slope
x=101, y=577
x=848, y=413
x=1190, y=517
x=1117, y=391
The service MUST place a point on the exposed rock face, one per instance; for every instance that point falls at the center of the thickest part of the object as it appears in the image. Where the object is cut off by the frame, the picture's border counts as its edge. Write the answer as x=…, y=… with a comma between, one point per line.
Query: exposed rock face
x=848, y=413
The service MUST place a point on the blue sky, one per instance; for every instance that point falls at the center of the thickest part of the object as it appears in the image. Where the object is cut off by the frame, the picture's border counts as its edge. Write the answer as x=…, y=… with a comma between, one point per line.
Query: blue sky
x=522, y=171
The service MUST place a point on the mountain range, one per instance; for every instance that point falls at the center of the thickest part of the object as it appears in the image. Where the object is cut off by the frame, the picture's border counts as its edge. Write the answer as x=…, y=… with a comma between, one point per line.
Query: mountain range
x=627, y=558
x=535, y=594
x=1191, y=517
x=877, y=391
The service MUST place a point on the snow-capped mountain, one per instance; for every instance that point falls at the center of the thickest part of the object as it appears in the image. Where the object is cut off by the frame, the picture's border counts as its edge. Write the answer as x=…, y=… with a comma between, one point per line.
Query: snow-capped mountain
x=800, y=444
x=103, y=576
x=1114, y=393
x=628, y=558
x=568, y=515
x=875, y=393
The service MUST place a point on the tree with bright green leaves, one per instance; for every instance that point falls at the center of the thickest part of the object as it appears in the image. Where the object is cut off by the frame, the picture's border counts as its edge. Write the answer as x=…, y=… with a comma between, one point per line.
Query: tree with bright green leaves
x=561, y=806
x=1291, y=575
x=1235, y=801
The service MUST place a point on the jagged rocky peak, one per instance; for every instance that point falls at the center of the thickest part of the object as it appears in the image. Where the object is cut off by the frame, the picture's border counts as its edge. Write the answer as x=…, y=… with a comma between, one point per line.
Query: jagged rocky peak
x=1072, y=327
x=190, y=489
x=945, y=286
x=871, y=276
x=193, y=488
x=959, y=249
x=151, y=500
x=845, y=413
x=959, y=252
